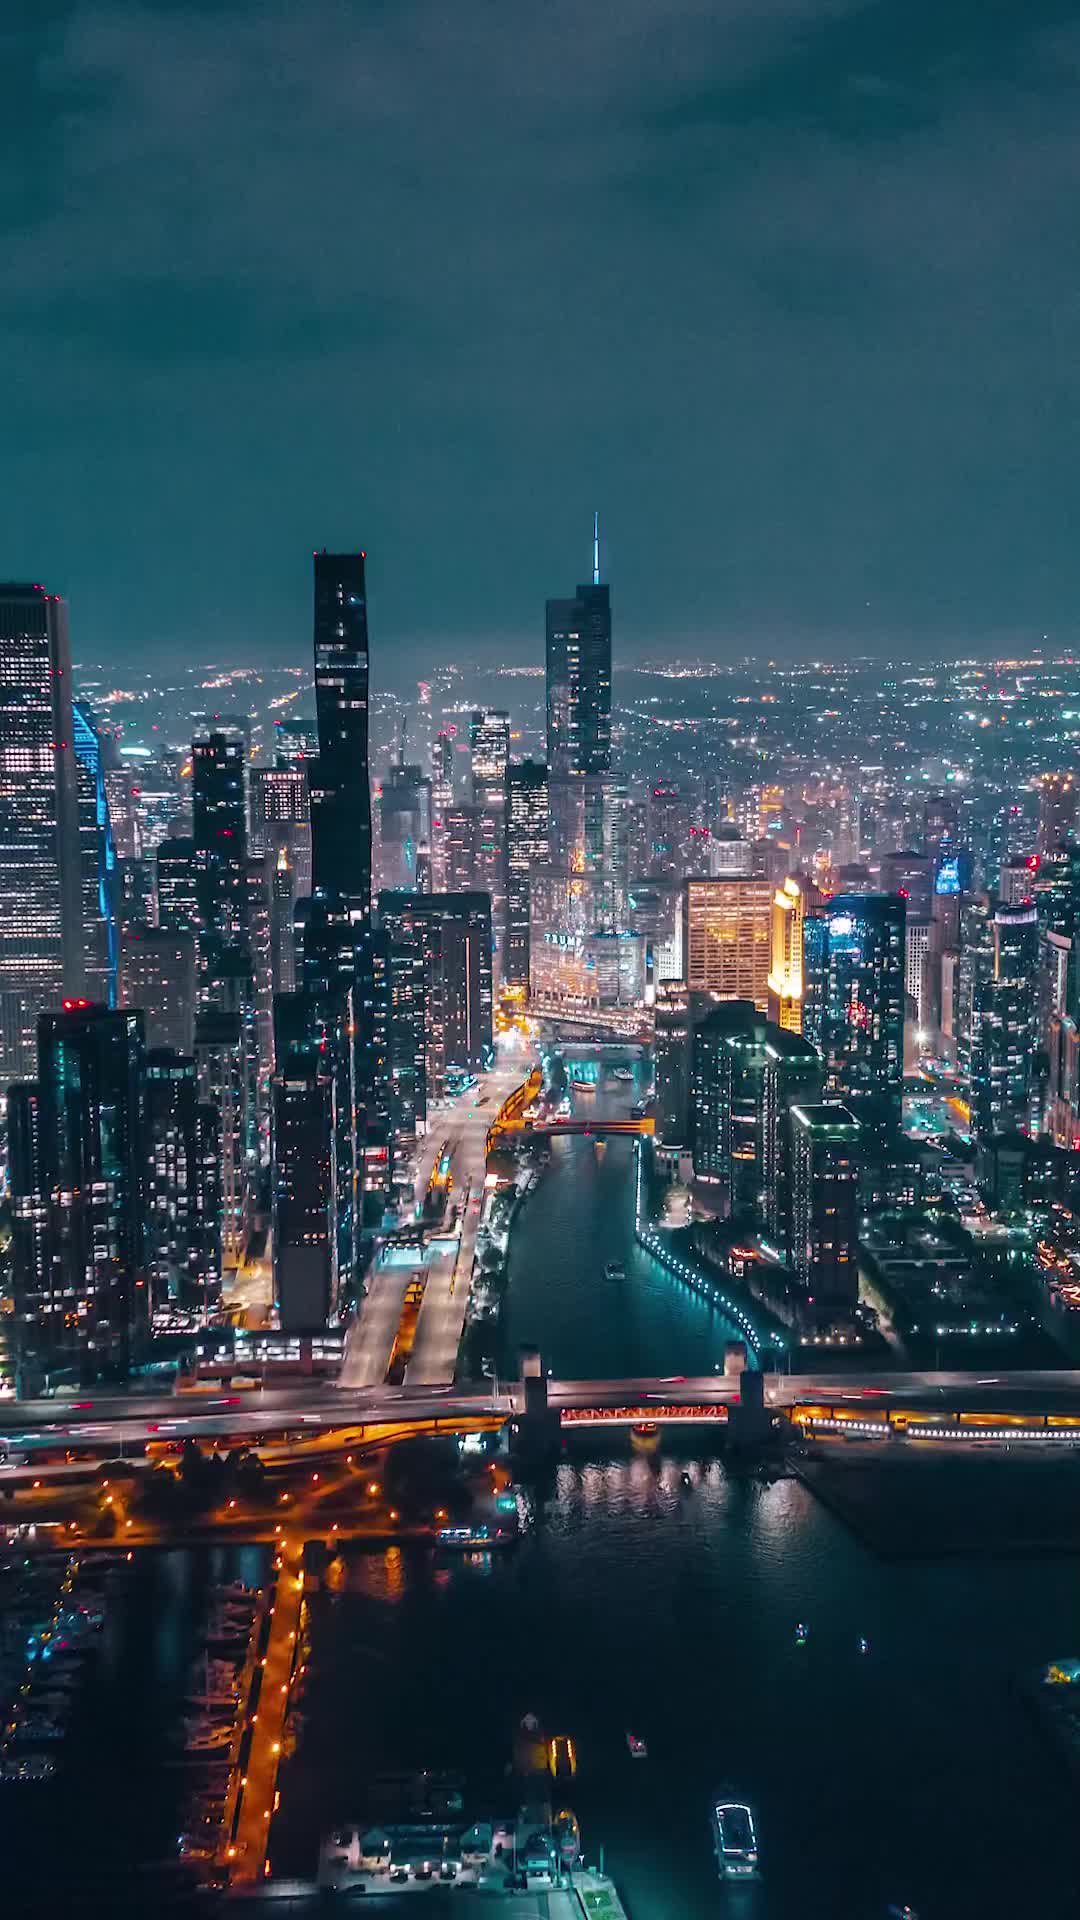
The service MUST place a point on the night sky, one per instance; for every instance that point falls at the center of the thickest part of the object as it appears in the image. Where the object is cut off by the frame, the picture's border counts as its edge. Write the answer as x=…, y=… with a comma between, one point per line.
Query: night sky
x=787, y=288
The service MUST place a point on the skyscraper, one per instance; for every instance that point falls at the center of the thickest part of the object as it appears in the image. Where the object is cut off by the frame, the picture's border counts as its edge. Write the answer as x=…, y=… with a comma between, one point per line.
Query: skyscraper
x=822, y=1244
x=1005, y=1025
x=864, y=1013
x=727, y=938
x=489, y=751
x=183, y=1212
x=177, y=885
x=97, y=863
x=1057, y=811
x=579, y=680
x=305, y=1290
x=340, y=790
x=219, y=812
x=158, y=973
x=786, y=971
x=41, y=936
x=77, y=1146
x=453, y=933
x=528, y=846
x=578, y=671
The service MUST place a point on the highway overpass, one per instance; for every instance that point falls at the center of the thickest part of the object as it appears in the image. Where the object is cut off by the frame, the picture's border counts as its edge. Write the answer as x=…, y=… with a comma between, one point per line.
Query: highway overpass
x=104, y=1423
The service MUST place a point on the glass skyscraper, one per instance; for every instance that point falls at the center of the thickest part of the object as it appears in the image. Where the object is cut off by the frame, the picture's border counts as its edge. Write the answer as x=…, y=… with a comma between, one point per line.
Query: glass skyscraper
x=41, y=941
x=864, y=1012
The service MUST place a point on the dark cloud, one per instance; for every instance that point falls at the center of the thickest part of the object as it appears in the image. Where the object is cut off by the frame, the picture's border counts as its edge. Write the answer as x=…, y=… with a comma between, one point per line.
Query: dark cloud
x=789, y=288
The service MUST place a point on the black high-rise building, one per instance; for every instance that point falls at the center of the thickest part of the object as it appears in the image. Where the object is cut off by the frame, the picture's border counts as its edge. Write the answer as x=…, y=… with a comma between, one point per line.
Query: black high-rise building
x=340, y=791
x=219, y=811
x=579, y=680
x=183, y=1192
x=77, y=1166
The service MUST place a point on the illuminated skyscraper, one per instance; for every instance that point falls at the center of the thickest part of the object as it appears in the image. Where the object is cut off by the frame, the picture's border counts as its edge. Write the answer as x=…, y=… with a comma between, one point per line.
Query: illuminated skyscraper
x=1057, y=810
x=489, y=750
x=340, y=791
x=157, y=974
x=97, y=863
x=823, y=1215
x=579, y=680
x=177, y=886
x=1005, y=1025
x=41, y=932
x=727, y=938
x=578, y=665
x=786, y=971
x=864, y=1013
x=183, y=1201
x=79, y=1146
x=528, y=847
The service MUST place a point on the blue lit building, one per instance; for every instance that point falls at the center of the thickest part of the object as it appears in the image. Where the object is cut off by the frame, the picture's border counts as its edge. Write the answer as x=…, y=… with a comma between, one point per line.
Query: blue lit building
x=97, y=863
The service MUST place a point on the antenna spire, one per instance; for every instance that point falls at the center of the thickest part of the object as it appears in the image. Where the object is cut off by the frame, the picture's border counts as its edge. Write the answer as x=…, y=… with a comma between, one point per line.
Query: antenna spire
x=596, y=549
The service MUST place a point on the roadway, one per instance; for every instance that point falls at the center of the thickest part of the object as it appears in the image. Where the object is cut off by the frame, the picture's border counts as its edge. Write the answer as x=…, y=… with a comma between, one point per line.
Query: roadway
x=461, y=1126
x=110, y=1422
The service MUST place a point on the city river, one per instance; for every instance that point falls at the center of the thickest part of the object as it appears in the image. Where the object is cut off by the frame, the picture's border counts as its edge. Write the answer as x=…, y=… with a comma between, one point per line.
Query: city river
x=911, y=1772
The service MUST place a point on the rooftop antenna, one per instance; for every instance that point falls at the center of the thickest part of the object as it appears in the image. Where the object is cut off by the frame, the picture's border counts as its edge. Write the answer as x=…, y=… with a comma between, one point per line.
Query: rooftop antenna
x=596, y=549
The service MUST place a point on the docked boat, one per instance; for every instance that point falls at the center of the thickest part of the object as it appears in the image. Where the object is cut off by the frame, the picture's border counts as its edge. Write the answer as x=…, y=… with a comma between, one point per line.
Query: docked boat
x=735, y=1840
x=614, y=1270
x=17, y=1769
x=567, y=1836
x=31, y=1728
x=638, y=1749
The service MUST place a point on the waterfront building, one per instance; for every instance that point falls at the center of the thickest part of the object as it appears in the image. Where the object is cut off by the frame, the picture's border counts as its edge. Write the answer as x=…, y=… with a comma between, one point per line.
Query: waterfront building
x=77, y=1145
x=823, y=1244
x=340, y=790
x=864, y=1013
x=793, y=1075
x=578, y=686
x=727, y=938
x=41, y=929
x=158, y=974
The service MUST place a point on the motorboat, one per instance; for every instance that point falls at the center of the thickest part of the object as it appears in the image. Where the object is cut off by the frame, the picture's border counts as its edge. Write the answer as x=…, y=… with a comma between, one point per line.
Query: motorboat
x=638, y=1749
x=735, y=1840
x=567, y=1836
x=614, y=1270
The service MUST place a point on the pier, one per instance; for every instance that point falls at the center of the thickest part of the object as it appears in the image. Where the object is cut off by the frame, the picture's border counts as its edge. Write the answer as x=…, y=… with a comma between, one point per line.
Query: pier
x=253, y=1782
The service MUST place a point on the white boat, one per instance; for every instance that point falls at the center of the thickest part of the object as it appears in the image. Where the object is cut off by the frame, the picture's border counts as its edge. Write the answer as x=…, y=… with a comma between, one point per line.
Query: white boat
x=735, y=1840
x=637, y=1747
